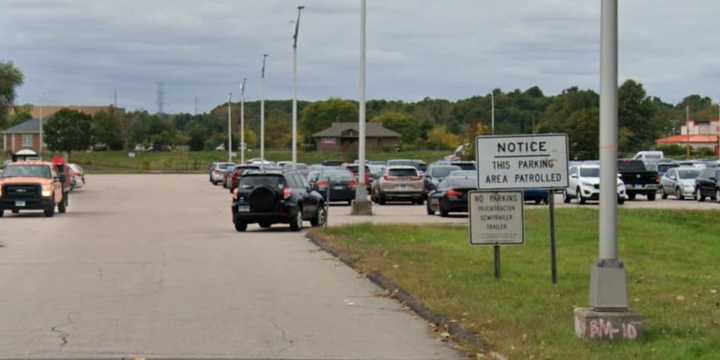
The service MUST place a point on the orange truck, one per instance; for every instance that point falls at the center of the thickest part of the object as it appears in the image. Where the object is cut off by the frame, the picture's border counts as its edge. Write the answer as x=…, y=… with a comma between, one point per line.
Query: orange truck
x=33, y=185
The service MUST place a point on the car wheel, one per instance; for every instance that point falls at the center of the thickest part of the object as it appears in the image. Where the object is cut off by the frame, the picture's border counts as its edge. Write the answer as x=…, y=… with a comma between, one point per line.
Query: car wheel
x=320, y=217
x=265, y=225
x=429, y=209
x=664, y=193
x=382, y=199
x=631, y=197
x=621, y=201
x=651, y=196
x=349, y=202
x=420, y=202
x=443, y=211
x=566, y=197
x=15, y=211
x=678, y=194
x=581, y=198
x=2, y=213
x=240, y=226
x=538, y=201
x=296, y=223
x=699, y=196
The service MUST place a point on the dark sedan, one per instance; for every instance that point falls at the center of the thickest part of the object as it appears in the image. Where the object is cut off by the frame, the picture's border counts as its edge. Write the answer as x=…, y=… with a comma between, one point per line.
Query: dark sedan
x=339, y=183
x=707, y=185
x=436, y=173
x=451, y=195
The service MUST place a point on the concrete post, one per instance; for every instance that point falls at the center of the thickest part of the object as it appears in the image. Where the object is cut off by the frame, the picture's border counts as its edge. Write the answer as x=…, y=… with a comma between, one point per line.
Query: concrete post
x=361, y=205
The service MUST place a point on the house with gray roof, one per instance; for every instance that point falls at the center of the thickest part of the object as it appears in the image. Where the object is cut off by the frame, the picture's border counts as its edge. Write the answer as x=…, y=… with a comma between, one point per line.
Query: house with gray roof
x=25, y=135
x=343, y=136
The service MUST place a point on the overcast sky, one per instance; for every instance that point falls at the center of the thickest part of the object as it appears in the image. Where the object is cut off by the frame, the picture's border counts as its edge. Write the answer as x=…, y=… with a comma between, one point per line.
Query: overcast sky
x=80, y=51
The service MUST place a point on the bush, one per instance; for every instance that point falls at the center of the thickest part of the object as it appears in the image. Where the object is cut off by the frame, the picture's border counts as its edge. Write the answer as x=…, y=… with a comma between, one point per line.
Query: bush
x=672, y=150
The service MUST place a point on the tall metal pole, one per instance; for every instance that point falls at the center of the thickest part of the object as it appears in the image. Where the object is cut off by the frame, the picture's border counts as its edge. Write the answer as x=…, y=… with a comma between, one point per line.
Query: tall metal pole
x=492, y=111
x=687, y=130
x=295, y=75
x=262, y=112
x=242, y=122
x=361, y=192
x=229, y=117
x=609, y=279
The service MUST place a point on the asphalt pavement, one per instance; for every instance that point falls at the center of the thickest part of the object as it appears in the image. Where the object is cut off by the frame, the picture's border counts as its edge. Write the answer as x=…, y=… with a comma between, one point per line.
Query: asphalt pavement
x=150, y=265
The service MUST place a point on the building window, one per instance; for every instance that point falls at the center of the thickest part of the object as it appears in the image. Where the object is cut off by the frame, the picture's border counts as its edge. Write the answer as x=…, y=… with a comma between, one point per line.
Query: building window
x=27, y=140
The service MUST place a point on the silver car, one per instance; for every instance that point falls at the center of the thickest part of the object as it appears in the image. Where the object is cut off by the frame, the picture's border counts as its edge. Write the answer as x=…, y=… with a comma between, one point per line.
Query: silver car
x=679, y=182
x=404, y=183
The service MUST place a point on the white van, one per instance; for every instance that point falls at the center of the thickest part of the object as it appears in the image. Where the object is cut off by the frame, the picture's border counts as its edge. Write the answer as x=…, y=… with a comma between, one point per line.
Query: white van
x=652, y=156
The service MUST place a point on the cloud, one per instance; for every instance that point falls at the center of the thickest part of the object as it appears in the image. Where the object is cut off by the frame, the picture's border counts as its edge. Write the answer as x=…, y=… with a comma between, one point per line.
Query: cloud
x=80, y=51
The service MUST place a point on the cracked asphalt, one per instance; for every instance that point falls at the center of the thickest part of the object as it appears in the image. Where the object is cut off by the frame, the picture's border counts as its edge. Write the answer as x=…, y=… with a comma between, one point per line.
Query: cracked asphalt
x=150, y=265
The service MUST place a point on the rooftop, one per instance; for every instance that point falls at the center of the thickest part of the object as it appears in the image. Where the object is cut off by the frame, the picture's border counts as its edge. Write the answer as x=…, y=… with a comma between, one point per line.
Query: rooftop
x=371, y=130
x=31, y=126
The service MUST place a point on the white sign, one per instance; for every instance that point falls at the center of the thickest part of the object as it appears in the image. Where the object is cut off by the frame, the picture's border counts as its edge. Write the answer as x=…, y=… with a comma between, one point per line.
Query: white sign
x=522, y=162
x=496, y=218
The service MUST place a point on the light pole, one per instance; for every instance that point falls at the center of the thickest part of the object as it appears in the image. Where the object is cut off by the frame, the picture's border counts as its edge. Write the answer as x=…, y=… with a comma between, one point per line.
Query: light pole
x=262, y=111
x=361, y=205
x=242, y=122
x=229, y=117
x=294, y=102
x=608, y=281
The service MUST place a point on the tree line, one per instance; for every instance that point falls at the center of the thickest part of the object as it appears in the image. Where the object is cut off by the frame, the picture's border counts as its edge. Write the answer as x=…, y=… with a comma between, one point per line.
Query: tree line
x=427, y=124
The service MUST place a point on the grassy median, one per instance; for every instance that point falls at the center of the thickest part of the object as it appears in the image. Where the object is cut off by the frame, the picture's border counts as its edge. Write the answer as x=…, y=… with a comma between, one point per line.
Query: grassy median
x=673, y=259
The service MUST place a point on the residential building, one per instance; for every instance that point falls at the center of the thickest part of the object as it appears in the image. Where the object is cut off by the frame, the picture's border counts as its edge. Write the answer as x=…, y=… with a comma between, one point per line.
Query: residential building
x=343, y=136
x=697, y=135
x=25, y=135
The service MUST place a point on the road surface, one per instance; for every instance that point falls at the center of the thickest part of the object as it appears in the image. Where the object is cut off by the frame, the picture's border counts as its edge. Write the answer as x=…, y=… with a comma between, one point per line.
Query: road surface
x=150, y=265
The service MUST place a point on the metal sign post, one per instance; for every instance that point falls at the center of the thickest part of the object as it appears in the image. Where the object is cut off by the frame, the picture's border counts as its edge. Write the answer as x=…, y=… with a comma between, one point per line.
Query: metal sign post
x=514, y=163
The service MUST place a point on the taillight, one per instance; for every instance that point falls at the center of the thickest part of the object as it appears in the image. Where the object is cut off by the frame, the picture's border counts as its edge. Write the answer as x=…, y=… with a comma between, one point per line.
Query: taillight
x=322, y=184
x=287, y=193
x=454, y=194
x=416, y=178
x=389, y=178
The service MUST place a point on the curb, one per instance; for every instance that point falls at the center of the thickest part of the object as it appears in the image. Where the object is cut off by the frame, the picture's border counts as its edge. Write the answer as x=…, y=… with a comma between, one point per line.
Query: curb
x=456, y=330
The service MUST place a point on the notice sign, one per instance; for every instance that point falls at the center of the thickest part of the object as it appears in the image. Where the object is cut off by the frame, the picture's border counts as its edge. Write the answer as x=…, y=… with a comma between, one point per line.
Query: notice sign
x=496, y=218
x=522, y=162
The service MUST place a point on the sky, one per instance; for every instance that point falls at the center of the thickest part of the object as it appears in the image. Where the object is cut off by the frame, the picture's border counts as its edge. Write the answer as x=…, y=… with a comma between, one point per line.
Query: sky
x=79, y=52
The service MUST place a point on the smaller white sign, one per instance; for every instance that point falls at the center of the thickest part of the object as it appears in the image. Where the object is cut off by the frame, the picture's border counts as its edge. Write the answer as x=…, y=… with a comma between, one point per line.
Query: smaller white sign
x=496, y=218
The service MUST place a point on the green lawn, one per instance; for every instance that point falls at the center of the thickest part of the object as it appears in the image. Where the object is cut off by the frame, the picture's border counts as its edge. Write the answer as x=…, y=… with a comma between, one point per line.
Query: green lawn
x=672, y=258
x=117, y=161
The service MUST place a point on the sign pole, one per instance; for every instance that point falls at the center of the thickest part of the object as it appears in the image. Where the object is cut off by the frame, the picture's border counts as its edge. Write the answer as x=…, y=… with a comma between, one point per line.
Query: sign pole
x=553, y=239
x=497, y=262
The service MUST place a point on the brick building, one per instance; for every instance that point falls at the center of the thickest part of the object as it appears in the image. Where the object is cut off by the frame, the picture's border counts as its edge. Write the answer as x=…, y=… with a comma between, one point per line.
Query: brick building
x=697, y=135
x=22, y=136
x=343, y=136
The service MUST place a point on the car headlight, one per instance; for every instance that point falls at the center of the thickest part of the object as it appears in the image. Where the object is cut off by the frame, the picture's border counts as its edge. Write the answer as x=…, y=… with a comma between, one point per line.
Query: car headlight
x=46, y=191
x=587, y=184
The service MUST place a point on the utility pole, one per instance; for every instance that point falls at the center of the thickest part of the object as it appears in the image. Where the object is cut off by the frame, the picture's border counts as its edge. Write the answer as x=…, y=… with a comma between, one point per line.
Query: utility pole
x=242, y=122
x=262, y=111
x=295, y=76
x=608, y=282
x=361, y=205
x=229, y=117
x=196, y=106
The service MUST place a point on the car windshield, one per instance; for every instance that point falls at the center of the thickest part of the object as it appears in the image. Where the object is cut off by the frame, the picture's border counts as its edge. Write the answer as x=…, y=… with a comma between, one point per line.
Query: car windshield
x=442, y=171
x=253, y=181
x=590, y=172
x=36, y=171
x=463, y=173
x=224, y=166
x=337, y=176
x=688, y=174
x=402, y=163
x=402, y=172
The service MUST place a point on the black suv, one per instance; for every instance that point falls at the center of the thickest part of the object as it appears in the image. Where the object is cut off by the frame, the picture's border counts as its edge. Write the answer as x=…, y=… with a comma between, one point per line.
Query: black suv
x=275, y=196
x=707, y=185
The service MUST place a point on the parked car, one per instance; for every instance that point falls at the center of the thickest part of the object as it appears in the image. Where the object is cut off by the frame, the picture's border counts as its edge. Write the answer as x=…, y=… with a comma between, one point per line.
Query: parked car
x=238, y=172
x=268, y=197
x=707, y=184
x=340, y=183
x=217, y=174
x=649, y=157
x=355, y=168
x=584, y=184
x=399, y=183
x=376, y=170
x=78, y=176
x=450, y=196
x=436, y=173
x=537, y=196
x=638, y=179
x=679, y=182
x=664, y=166
x=227, y=176
x=33, y=185
x=699, y=164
